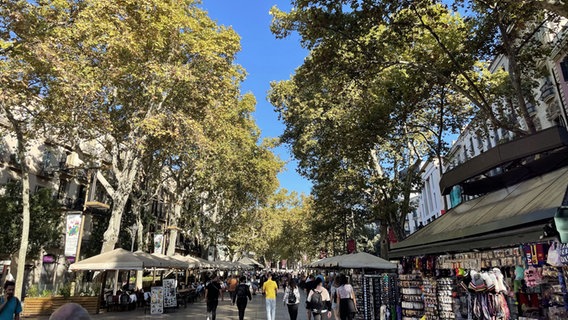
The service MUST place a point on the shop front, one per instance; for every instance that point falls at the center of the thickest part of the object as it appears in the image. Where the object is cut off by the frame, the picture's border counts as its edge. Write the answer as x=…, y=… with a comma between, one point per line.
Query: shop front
x=489, y=258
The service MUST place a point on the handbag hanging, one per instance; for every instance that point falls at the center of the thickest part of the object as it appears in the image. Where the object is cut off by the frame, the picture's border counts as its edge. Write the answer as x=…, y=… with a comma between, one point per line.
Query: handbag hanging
x=553, y=257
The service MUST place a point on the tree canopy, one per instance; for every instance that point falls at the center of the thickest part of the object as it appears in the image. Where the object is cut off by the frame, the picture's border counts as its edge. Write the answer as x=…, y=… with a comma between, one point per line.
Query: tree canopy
x=46, y=226
x=386, y=82
x=145, y=92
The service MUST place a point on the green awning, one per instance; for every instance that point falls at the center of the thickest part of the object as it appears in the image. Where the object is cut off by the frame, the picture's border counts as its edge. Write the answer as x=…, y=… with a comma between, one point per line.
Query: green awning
x=515, y=214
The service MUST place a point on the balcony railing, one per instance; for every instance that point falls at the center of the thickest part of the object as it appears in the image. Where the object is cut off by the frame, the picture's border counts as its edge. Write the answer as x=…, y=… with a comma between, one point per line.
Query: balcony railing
x=507, y=153
x=546, y=91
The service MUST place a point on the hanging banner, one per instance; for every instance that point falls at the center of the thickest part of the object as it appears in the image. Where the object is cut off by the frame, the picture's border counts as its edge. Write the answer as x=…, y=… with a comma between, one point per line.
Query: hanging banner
x=73, y=224
x=351, y=246
x=158, y=241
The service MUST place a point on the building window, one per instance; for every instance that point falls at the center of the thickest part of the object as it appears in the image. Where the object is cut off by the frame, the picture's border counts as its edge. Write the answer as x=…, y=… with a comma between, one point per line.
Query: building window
x=63, y=188
x=537, y=124
x=564, y=68
x=559, y=121
x=497, y=137
x=480, y=143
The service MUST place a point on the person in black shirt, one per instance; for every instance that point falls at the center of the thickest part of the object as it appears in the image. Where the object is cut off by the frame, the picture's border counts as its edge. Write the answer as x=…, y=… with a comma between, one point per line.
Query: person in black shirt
x=309, y=285
x=241, y=294
x=212, y=292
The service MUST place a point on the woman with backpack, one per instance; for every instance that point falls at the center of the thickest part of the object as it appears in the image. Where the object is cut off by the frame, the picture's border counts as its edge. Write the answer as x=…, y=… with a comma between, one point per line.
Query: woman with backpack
x=241, y=295
x=292, y=299
x=319, y=300
x=346, y=299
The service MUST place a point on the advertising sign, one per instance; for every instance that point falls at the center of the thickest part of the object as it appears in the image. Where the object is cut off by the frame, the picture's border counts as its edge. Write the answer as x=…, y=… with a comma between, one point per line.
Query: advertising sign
x=72, y=226
x=170, y=293
x=157, y=300
x=158, y=241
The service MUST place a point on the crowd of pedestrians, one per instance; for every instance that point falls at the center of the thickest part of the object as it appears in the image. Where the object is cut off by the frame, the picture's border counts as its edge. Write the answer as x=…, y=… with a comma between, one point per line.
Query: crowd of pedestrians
x=331, y=296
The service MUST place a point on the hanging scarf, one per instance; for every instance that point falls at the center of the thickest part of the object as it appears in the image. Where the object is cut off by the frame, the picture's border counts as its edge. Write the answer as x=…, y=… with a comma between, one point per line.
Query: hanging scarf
x=506, y=313
x=469, y=307
x=485, y=307
x=476, y=306
x=491, y=305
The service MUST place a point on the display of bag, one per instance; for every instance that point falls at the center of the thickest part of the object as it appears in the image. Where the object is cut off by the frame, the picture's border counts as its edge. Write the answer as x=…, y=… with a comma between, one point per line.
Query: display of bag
x=553, y=257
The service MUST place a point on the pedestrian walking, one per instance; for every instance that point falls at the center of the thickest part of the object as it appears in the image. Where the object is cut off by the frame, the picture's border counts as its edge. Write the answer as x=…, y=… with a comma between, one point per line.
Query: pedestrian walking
x=10, y=306
x=309, y=284
x=292, y=299
x=346, y=299
x=232, y=284
x=333, y=293
x=212, y=292
x=319, y=300
x=270, y=289
x=242, y=293
x=223, y=285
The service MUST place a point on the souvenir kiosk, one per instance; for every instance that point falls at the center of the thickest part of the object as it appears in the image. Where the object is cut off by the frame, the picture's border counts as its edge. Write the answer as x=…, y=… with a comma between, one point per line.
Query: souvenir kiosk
x=490, y=257
x=374, y=281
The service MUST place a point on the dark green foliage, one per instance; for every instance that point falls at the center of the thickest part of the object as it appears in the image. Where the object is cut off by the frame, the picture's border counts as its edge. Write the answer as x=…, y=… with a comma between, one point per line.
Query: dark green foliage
x=46, y=225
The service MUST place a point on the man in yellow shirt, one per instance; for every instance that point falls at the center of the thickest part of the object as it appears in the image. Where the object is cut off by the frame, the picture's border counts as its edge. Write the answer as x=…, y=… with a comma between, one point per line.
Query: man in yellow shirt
x=270, y=289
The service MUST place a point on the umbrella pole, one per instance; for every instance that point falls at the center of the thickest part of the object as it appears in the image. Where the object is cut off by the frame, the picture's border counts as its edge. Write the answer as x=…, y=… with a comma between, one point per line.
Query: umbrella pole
x=115, y=283
x=139, y=276
x=102, y=291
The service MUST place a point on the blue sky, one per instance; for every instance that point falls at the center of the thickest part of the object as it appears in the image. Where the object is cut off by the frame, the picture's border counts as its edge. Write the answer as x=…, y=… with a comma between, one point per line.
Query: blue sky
x=265, y=59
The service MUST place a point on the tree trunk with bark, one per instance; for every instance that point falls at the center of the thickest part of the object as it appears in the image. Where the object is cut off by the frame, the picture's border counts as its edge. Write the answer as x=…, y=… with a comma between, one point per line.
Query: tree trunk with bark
x=384, y=231
x=125, y=180
x=25, y=178
x=173, y=229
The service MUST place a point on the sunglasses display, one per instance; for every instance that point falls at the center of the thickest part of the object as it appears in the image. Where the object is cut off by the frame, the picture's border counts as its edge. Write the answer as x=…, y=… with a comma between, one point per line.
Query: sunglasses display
x=380, y=294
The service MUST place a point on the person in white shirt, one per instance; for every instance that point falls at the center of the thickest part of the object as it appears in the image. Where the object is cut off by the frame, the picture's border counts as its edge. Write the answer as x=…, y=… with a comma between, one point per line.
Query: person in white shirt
x=292, y=299
x=323, y=305
x=346, y=299
x=333, y=292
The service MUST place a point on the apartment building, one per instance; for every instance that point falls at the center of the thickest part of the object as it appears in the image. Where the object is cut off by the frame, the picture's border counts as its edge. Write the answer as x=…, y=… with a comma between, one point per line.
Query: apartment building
x=428, y=204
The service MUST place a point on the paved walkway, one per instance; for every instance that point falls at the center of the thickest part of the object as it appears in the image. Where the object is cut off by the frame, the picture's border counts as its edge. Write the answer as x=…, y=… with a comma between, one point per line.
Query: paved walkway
x=255, y=311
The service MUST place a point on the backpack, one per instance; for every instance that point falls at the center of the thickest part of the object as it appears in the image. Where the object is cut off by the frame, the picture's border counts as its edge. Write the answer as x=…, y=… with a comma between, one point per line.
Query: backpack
x=291, y=297
x=316, y=303
x=242, y=290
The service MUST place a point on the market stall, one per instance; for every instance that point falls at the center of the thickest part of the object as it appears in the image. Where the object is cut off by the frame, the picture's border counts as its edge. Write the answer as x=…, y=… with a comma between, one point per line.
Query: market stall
x=527, y=282
x=490, y=258
x=373, y=279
